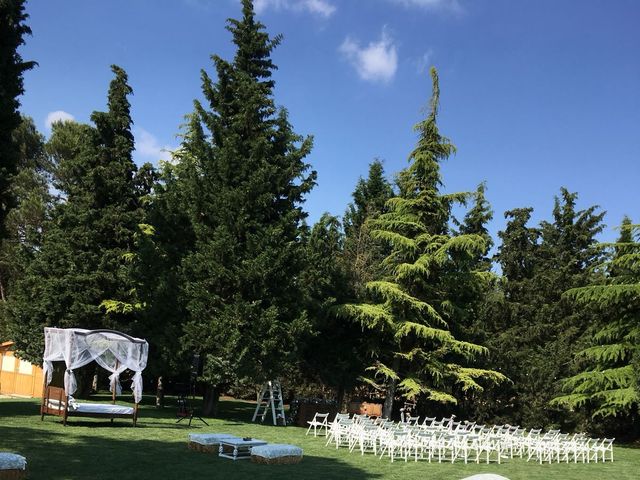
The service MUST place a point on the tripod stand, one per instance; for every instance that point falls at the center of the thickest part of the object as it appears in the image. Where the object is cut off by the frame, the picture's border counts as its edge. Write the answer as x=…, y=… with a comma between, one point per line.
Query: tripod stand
x=186, y=401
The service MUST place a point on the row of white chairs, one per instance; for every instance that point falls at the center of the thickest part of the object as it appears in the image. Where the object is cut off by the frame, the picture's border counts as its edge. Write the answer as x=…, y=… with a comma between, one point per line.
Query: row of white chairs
x=449, y=440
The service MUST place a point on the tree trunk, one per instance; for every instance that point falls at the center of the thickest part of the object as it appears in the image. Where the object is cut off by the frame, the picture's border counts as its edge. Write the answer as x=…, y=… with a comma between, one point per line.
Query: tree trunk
x=84, y=378
x=160, y=393
x=340, y=398
x=210, y=401
x=387, y=408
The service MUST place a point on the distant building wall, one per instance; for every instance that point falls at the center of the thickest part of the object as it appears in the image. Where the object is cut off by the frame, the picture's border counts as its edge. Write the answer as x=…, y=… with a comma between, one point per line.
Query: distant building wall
x=18, y=377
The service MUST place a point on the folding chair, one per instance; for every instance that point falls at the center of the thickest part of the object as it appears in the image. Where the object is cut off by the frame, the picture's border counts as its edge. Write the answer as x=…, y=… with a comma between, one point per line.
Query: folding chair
x=319, y=421
x=602, y=446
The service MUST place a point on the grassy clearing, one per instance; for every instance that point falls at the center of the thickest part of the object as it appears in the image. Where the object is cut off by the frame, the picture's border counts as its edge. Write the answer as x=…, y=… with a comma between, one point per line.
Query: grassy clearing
x=156, y=449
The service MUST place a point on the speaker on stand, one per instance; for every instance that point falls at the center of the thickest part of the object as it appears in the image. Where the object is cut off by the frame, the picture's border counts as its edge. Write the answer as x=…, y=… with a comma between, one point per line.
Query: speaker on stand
x=186, y=399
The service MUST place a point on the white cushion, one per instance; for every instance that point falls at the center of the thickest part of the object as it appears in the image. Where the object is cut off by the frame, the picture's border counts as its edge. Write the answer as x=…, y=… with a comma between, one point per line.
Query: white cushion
x=276, y=450
x=73, y=405
x=55, y=404
x=486, y=476
x=12, y=461
x=101, y=408
x=208, y=438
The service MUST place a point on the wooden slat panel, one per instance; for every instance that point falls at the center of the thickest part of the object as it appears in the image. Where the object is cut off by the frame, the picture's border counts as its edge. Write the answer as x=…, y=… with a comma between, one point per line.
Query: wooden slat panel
x=18, y=377
x=7, y=382
x=24, y=385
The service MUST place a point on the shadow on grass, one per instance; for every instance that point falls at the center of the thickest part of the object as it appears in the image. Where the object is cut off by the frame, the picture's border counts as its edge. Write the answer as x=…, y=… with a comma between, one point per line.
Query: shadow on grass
x=156, y=449
x=65, y=454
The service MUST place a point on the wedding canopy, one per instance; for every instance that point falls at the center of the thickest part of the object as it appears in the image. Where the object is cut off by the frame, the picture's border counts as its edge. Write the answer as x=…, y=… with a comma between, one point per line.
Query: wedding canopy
x=114, y=351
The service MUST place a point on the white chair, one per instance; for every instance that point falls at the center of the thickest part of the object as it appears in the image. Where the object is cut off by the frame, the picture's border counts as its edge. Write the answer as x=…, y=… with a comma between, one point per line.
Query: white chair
x=395, y=443
x=422, y=444
x=579, y=447
x=544, y=447
x=516, y=442
x=412, y=420
x=428, y=421
x=448, y=421
x=447, y=447
x=461, y=445
x=319, y=422
x=562, y=447
x=367, y=439
x=340, y=432
x=602, y=447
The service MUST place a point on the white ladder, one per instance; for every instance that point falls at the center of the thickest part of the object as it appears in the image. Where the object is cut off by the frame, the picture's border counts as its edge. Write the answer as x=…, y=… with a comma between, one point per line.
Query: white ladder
x=270, y=398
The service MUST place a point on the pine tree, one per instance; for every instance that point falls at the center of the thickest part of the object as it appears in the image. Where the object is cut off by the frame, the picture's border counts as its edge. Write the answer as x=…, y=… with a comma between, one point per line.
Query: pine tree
x=12, y=67
x=245, y=183
x=81, y=261
x=608, y=382
x=333, y=341
x=369, y=198
x=411, y=309
x=26, y=222
x=469, y=287
x=160, y=269
x=363, y=254
x=532, y=330
x=475, y=223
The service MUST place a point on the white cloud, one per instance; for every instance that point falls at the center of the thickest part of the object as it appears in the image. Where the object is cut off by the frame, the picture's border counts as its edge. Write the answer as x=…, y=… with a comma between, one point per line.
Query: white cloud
x=148, y=146
x=320, y=7
x=377, y=62
x=448, y=5
x=323, y=8
x=57, y=116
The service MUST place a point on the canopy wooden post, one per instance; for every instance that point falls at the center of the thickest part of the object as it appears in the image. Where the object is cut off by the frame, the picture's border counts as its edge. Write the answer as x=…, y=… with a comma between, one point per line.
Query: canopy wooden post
x=44, y=396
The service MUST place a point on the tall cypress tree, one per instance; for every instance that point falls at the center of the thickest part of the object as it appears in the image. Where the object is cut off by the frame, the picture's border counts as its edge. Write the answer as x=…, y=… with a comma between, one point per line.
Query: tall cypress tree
x=245, y=183
x=411, y=309
x=12, y=32
x=81, y=261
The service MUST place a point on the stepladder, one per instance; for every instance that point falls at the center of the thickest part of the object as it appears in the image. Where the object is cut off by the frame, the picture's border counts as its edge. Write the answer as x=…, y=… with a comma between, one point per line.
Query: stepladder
x=270, y=400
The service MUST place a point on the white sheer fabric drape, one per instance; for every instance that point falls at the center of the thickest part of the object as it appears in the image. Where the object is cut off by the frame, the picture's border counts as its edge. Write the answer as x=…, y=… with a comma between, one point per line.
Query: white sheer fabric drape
x=113, y=351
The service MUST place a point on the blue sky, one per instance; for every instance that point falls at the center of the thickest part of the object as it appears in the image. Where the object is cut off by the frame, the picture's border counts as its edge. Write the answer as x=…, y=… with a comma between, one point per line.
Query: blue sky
x=535, y=94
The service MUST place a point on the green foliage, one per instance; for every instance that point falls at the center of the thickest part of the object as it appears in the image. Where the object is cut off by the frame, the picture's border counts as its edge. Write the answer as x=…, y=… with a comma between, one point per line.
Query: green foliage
x=12, y=67
x=26, y=222
x=369, y=199
x=332, y=340
x=364, y=252
x=242, y=179
x=532, y=330
x=80, y=261
x=608, y=383
x=475, y=223
x=409, y=307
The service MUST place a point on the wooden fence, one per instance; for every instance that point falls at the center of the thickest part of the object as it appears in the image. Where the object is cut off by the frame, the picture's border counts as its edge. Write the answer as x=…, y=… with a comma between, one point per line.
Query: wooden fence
x=18, y=377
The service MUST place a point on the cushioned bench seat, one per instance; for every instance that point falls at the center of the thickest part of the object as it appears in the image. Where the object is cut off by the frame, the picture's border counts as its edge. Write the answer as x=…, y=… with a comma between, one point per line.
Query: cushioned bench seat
x=12, y=466
x=276, y=454
x=207, y=442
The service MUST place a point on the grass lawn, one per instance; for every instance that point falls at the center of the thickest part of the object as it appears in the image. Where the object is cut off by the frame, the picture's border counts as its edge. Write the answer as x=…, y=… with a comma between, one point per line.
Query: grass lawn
x=156, y=449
